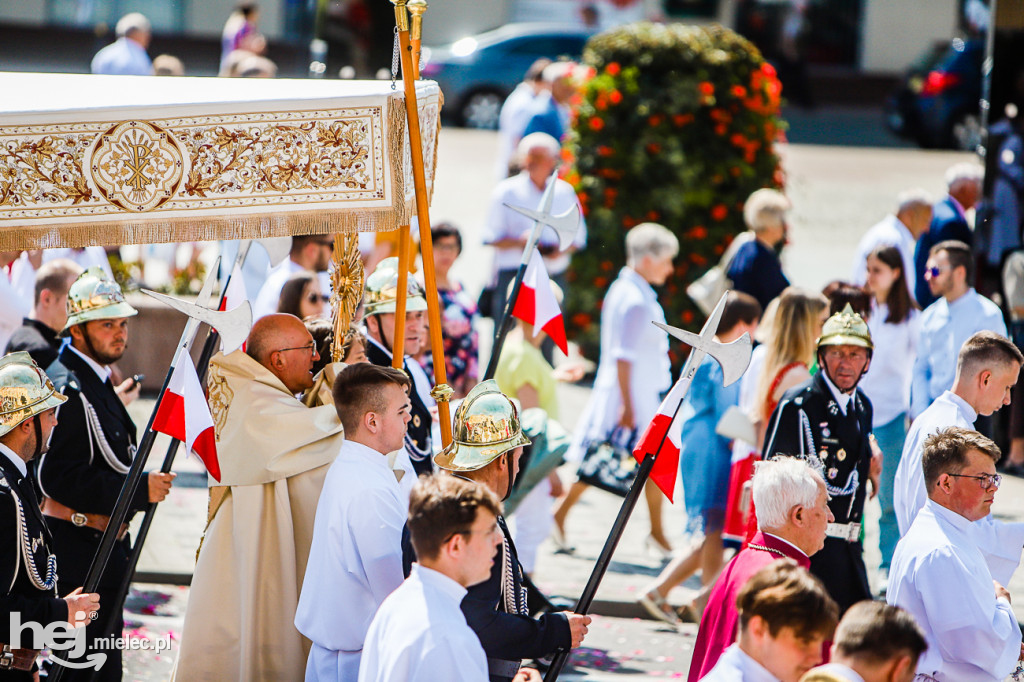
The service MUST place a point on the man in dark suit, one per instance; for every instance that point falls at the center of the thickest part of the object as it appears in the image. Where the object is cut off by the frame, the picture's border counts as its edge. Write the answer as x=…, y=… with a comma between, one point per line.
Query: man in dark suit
x=828, y=418
x=39, y=333
x=949, y=221
x=381, y=326
x=90, y=452
x=487, y=443
x=28, y=568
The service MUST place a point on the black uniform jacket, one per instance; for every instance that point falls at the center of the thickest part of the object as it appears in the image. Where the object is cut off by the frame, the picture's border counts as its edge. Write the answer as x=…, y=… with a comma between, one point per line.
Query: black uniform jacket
x=75, y=471
x=808, y=421
x=39, y=340
x=17, y=592
x=417, y=436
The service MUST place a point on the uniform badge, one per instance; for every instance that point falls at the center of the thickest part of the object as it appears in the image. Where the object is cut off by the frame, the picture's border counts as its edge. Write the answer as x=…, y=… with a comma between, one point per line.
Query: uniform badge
x=833, y=409
x=37, y=543
x=832, y=473
x=823, y=454
x=841, y=455
x=416, y=420
x=825, y=432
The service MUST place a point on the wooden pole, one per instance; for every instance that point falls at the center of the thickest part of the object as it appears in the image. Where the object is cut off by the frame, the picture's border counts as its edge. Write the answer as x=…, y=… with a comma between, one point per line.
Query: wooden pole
x=404, y=256
x=441, y=391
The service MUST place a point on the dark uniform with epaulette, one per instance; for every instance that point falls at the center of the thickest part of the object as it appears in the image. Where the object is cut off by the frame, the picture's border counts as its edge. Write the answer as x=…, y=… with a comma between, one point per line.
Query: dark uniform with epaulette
x=82, y=474
x=381, y=297
x=809, y=422
x=28, y=567
x=486, y=427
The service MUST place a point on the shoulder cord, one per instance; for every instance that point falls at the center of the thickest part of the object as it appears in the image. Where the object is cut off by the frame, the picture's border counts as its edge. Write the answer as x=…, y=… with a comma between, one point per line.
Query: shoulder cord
x=416, y=453
x=94, y=427
x=805, y=424
x=50, y=583
x=514, y=601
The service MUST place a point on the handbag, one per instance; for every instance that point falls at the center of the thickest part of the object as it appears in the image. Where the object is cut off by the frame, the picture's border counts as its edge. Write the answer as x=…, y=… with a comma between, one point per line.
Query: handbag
x=548, y=444
x=608, y=463
x=707, y=289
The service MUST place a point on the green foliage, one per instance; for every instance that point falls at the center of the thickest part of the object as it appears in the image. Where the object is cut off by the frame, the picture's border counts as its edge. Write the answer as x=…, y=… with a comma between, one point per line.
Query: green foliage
x=675, y=125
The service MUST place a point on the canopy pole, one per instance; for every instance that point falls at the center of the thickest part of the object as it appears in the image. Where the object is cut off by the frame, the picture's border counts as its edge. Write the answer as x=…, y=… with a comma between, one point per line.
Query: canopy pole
x=442, y=391
x=404, y=256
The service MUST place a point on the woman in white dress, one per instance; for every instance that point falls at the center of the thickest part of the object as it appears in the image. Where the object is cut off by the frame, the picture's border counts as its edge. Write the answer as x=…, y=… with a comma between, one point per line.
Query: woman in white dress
x=634, y=369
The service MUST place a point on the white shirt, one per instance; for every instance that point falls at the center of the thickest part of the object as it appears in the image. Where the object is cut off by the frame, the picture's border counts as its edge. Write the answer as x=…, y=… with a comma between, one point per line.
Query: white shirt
x=1000, y=541
x=736, y=666
x=102, y=371
x=124, y=57
x=504, y=223
x=13, y=310
x=626, y=334
x=420, y=634
x=515, y=114
x=939, y=575
x=944, y=328
x=840, y=670
x=890, y=231
x=842, y=399
x=19, y=463
x=887, y=382
x=355, y=559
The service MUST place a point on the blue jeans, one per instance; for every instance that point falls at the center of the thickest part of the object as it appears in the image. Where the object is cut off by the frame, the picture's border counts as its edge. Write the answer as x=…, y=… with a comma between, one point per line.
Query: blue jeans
x=890, y=439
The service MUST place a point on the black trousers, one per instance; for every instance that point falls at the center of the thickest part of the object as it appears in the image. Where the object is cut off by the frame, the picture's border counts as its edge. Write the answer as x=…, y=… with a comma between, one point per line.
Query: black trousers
x=840, y=565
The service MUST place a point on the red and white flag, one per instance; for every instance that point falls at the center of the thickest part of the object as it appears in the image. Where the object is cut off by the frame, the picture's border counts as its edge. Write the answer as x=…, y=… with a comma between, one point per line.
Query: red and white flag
x=537, y=305
x=185, y=415
x=235, y=294
x=665, y=432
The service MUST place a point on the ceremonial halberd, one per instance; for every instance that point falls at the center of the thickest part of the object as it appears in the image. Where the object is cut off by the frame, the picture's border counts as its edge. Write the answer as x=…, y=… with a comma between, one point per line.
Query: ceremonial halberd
x=90, y=159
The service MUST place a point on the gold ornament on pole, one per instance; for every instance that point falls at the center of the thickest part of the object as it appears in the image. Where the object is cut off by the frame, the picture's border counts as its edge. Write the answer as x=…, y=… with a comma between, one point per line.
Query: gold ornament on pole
x=347, y=285
x=409, y=74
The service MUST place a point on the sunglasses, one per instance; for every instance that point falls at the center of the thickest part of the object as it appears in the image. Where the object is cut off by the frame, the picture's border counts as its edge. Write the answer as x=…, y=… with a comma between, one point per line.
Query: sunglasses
x=934, y=271
x=318, y=298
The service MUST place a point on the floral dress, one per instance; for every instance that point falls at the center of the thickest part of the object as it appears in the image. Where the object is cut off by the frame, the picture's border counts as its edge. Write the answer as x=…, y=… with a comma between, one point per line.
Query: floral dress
x=458, y=315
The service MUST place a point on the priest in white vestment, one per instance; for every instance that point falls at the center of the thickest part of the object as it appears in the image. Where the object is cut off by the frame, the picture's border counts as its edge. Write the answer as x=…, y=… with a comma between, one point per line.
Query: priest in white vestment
x=274, y=453
x=940, y=575
x=355, y=560
x=987, y=368
x=420, y=633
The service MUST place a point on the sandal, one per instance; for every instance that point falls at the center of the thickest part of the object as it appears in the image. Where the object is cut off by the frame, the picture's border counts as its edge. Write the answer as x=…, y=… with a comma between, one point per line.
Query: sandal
x=656, y=605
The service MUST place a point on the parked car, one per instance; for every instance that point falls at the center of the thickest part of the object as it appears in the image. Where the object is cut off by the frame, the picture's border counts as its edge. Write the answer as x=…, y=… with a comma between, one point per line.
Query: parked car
x=477, y=73
x=937, y=103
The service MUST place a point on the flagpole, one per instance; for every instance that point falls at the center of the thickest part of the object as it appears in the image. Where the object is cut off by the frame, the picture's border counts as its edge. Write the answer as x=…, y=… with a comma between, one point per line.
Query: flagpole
x=618, y=528
x=209, y=347
x=442, y=391
x=505, y=324
x=131, y=484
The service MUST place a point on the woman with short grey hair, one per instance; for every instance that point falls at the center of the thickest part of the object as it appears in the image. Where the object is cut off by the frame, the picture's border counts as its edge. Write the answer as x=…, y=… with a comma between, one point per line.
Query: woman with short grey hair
x=633, y=370
x=755, y=268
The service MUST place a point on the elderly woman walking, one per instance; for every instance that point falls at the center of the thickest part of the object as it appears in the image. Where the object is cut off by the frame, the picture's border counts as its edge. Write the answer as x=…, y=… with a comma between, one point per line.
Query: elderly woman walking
x=755, y=268
x=634, y=368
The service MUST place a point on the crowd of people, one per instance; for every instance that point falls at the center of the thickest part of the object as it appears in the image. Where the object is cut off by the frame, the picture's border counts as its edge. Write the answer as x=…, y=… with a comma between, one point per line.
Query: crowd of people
x=344, y=542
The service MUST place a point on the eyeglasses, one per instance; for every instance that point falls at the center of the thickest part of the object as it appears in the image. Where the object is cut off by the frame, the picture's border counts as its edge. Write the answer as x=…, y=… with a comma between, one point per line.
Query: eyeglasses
x=987, y=481
x=934, y=271
x=311, y=349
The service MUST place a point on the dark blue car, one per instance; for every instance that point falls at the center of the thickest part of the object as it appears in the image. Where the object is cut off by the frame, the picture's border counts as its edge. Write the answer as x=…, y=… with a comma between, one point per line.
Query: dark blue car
x=477, y=73
x=938, y=103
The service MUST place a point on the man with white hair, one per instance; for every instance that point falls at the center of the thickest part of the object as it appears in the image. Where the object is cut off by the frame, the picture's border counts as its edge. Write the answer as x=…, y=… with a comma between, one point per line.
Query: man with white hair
x=949, y=221
x=792, y=514
x=127, y=55
x=755, y=268
x=550, y=111
x=507, y=231
x=901, y=229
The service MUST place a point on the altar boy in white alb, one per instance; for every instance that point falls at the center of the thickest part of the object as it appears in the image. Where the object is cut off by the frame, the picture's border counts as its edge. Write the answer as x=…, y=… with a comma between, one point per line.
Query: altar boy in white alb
x=420, y=634
x=940, y=575
x=355, y=559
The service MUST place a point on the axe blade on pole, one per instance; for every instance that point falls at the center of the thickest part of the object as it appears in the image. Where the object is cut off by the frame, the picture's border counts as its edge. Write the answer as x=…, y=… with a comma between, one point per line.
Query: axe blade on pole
x=277, y=248
x=565, y=225
x=232, y=325
x=733, y=357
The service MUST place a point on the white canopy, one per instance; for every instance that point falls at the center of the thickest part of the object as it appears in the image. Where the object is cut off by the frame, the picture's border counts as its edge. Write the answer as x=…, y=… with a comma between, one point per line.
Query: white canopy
x=90, y=160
